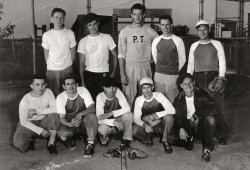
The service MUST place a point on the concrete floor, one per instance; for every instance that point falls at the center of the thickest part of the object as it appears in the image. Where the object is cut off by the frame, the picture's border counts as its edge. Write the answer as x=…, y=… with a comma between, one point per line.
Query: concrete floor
x=235, y=155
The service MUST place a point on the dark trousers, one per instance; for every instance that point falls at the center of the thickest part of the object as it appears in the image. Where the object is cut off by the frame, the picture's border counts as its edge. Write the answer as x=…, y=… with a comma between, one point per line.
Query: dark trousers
x=94, y=82
x=203, y=128
x=202, y=80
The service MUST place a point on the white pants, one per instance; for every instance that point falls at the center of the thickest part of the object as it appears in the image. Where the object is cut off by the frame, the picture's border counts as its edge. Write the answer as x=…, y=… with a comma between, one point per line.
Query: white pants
x=166, y=84
x=134, y=72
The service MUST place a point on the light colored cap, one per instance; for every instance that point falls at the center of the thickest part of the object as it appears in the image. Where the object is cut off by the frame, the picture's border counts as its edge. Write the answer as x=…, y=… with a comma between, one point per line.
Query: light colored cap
x=146, y=80
x=201, y=22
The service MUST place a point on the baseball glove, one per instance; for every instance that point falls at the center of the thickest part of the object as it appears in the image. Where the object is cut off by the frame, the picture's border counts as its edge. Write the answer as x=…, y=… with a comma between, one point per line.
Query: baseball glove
x=151, y=119
x=113, y=153
x=136, y=153
x=217, y=85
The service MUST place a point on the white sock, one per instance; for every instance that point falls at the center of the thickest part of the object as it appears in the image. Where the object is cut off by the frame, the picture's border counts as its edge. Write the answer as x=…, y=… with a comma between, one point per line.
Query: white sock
x=91, y=142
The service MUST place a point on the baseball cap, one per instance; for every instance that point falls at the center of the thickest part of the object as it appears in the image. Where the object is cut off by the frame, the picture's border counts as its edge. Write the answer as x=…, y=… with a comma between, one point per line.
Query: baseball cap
x=110, y=81
x=201, y=22
x=146, y=80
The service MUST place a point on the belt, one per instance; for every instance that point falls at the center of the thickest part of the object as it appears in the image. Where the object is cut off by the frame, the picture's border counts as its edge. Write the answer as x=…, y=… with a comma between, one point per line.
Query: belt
x=207, y=72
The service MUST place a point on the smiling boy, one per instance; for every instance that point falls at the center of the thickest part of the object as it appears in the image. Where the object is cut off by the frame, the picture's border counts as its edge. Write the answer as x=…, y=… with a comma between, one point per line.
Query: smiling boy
x=59, y=51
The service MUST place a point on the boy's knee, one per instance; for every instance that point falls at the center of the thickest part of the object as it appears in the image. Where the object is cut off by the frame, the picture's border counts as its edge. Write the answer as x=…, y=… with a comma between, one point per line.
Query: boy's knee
x=168, y=118
x=210, y=120
x=21, y=144
x=55, y=121
x=91, y=117
x=128, y=117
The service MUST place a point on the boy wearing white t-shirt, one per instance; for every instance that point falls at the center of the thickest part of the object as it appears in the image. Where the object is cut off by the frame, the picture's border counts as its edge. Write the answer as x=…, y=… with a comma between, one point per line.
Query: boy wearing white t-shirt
x=94, y=56
x=59, y=50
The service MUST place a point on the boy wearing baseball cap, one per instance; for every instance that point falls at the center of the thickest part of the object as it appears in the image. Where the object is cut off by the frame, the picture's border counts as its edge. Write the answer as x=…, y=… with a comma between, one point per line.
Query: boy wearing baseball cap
x=207, y=64
x=152, y=115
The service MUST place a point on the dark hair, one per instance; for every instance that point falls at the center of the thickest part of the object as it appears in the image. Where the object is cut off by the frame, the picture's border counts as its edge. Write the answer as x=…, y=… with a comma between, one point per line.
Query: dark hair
x=166, y=17
x=58, y=10
x=38, y=76
x=91, y=17
x=182, y=77
x=110, y=81
x=69, y=76
x=138, y=6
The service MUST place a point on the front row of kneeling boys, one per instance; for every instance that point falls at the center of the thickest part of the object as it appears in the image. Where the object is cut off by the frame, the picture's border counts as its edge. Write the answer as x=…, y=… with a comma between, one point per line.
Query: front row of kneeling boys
x=192, y=115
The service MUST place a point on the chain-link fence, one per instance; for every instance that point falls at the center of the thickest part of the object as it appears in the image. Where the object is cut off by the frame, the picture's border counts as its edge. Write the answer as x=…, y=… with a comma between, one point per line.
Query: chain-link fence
x=16, y=51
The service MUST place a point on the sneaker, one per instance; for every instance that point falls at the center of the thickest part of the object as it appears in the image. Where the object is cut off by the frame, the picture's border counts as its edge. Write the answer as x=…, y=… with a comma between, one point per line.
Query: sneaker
x=205, y=156
x=167, y=148
x=70, y=143
x=52, y=149
x=89, y=150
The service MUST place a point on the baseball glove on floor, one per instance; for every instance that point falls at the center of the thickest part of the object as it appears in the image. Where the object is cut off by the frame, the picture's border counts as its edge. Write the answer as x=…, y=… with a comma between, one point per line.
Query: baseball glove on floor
x=136, y=153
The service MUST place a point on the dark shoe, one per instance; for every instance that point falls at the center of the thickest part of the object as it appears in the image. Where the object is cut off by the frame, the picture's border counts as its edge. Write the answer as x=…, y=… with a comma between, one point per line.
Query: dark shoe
x=89, y=150
x=32, y=145
x=205, y=157
x=222, y=141
x=189, y=143
x=70, y=143
x=150, y=142
x=167, y=148
x=103, y=142
x=52, y=149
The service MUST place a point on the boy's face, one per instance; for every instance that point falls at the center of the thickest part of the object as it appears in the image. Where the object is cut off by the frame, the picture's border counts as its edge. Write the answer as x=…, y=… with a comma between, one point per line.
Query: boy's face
x=187, y=85
x=203, y=31
x=137, y=16
x=70, y=86
x=110, y=91
x=58, y=19
x=147, y=91
x=38, y=86
x=165, y=26
x=93, y=27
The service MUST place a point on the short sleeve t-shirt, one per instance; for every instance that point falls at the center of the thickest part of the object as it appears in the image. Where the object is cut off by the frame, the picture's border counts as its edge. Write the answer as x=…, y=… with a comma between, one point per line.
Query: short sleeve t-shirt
x=96, y=50
x=59, y=43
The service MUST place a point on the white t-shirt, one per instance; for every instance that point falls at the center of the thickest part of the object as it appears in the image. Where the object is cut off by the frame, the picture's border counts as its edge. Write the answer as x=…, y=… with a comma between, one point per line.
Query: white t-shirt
x=44, y=105
x=190, y=107
x=96, y=50
x=59, y=43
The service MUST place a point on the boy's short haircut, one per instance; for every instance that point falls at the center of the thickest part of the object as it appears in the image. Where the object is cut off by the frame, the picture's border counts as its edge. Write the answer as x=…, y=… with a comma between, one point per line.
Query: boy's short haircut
x=166, y=17
x=58, y=10
x=138, y=6
x=182, y=77
x=38, y=76
x=69, y=76
x=91, y=17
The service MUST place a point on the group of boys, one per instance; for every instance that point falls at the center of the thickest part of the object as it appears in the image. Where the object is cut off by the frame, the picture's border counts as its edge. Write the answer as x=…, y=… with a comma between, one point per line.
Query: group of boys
x=100, y=106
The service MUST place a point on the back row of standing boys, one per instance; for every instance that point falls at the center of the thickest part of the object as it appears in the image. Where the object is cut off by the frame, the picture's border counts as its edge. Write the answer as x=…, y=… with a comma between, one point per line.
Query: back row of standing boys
x=197, y=116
